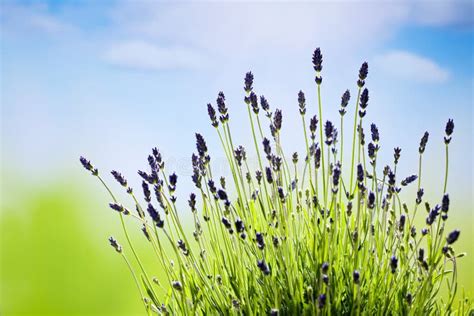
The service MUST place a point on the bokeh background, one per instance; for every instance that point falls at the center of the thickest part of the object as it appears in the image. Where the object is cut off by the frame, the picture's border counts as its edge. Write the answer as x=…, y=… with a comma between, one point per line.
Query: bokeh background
x=112, y=79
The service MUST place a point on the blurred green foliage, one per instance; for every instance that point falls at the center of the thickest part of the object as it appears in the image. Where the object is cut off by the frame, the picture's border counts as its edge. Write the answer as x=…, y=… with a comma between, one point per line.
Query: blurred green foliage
x=55, y=259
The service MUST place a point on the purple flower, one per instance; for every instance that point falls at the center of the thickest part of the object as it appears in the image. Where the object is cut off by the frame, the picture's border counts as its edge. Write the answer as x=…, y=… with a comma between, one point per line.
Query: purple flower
x=393, y=263
x=302, y=102
x=263, y=266
x=115, y=244
x=88, y=166
x=453, y=236
x=120, y=179
x=317, y=60
x=423, y=142
x=248, y=82
x=409, y=180
x=321, y=301
x=356, y=276
x=264, y=104
x=445, y=203
x=212, y=115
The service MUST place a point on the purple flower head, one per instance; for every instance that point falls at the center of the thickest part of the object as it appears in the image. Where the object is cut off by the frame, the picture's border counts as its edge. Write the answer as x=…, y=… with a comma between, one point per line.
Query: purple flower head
x=248, y=82
x=240, y=155
x=393, y=263
x=263, y=266
x=201, y=145
x=120, y=179
x=239, y=225
x=173, y=179
x=259, y=240
x=267, y=148
x=86, y=163
x=317, y=157
x=192, y=202
x=344, y=102
x=146, y=191
x=317, y=60
x=364, y=98
x=264, y=104
x=409, y=180
x=445, y=203
x=336, y=174
x=423, y=142
x=212, y=115
x=277, y=120
x=371, y=200
x=321, y=301
x=401, y=222
x=295, y=157
x=226, y=223
x=346, y=96
x=363, y=71
x=281, y=194
x=356, y=276
x=360, y=173
x=254, y=102
x=419, y=195
x=432, y=215
x=115, y=244
x=268, y=173
x=313, y=124
x=302, y=102
x=453, y=236
x=258, y=176
x=449, y=131
x=325, y=267
x=391, y=178
x=222, y=108
x=375, y=133
x=364, y=102
x=222, y=195
x=421, y=255
x=117, y=207
x=371, y=149
x=88, y=166
x=329, y=132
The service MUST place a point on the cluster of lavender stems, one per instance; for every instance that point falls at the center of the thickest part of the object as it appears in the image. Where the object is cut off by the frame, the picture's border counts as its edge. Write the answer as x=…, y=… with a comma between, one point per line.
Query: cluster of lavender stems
x=280, y=241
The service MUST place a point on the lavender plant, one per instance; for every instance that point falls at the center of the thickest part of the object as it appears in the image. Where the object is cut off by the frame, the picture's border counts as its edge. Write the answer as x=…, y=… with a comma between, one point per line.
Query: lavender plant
x=279, y=240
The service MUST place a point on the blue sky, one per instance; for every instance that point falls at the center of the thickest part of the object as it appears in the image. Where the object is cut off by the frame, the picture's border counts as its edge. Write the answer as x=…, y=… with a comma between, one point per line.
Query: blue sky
x=111, y=79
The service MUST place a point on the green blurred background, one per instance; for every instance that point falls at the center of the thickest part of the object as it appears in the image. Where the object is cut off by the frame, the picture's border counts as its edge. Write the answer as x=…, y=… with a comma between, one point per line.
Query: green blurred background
x=55, y=254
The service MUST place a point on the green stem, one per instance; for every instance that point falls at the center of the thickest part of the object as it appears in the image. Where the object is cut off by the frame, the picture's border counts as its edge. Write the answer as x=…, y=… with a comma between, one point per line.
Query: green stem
x=322, y=142
x=354, y=139
x=446, y=171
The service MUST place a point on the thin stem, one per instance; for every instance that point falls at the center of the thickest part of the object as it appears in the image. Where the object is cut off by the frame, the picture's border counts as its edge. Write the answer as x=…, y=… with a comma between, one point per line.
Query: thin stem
x=446, y=171
x=322, y=141
x=354, y=139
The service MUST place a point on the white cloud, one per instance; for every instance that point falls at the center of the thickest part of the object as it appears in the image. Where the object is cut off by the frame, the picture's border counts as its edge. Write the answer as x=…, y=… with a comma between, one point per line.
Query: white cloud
x=251, y=28
x=237, y=33
x=409, y=66
x=146, y=56
x=246, y=30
